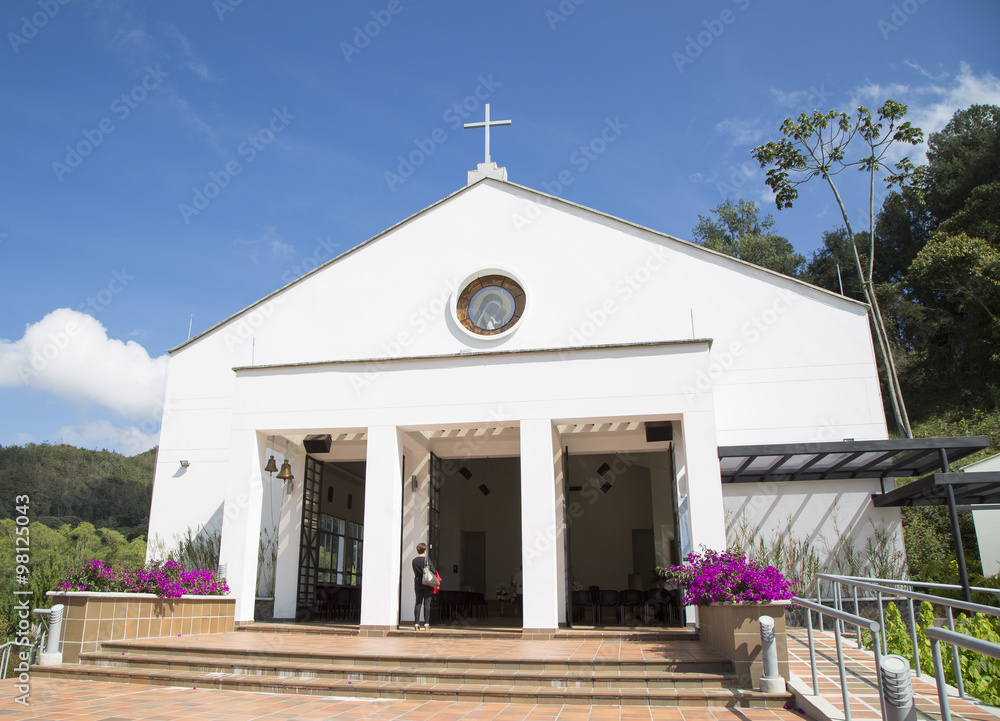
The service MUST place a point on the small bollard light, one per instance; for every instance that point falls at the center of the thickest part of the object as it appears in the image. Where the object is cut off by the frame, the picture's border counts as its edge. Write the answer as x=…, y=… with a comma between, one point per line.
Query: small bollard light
x=770, y=681
x=51, y=656
x=894, y=676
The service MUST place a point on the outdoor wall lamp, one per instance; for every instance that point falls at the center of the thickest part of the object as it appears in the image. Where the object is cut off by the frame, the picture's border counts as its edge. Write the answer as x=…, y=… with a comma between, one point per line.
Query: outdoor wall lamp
x=185, y=464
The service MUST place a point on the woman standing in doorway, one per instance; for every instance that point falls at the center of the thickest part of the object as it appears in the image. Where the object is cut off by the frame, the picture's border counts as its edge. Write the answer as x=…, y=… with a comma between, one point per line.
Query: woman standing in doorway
x=423, y=593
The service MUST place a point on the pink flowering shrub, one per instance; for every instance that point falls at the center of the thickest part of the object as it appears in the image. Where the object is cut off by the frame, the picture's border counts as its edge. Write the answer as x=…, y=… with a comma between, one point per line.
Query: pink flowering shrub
x=728, y=577
x=167, y=580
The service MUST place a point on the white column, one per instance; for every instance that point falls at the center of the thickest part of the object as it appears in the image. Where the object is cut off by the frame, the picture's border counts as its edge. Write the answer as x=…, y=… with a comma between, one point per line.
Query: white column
x=383, y=523
x=286, y=572
x=560, y=517
x=241, y=520
x=418, y=463
x=539, y=526
x=704, y=481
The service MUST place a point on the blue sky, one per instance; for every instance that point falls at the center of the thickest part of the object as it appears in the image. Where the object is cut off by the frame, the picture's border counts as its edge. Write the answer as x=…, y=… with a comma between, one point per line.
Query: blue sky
x=120, y=119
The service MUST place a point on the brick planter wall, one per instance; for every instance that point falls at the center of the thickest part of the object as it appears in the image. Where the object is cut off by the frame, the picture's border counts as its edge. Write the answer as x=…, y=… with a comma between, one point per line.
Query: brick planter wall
x=734, y=631
x=92, y=618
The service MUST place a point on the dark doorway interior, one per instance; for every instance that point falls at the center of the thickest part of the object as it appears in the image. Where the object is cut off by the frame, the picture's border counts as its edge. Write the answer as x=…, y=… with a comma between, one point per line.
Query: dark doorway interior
x=331, y=556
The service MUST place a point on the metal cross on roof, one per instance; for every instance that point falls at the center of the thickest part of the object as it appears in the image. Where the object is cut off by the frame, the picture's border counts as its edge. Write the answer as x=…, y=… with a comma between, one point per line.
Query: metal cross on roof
x=486, y=124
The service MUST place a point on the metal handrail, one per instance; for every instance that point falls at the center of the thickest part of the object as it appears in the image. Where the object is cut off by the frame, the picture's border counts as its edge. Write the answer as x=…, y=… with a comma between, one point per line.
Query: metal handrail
x=916, y=595
x=841, y=616
x=34, y=647
x=911, y=596
x=926, y=584
x=976, y=645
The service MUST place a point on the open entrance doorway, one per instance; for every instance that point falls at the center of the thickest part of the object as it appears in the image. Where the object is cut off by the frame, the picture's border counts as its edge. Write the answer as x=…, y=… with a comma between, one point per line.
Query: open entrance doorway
x=622, y=523
x=331, y=552
x=475, y=532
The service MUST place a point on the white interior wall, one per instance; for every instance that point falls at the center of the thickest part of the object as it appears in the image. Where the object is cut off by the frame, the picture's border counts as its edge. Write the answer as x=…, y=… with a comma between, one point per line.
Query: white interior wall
x=498, y=515
x=345, y=481
x=602, y=523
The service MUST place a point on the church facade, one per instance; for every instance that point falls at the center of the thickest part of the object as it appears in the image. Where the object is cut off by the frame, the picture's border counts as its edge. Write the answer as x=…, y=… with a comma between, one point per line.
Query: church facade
x=525, y=384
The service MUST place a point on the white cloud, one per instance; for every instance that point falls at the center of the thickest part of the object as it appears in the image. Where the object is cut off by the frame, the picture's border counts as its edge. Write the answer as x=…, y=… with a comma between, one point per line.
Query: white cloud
x=803, y=100
x=103, y=434
x=270, y=242
x=186, y=53
x=190, y=118
x=932, y=104
x=69, y=354
x=743, y=131
x=927, y=74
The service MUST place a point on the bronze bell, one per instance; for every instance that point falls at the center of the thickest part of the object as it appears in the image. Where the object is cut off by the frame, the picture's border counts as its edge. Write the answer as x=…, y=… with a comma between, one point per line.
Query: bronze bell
x=271, y=466
x=286, y=472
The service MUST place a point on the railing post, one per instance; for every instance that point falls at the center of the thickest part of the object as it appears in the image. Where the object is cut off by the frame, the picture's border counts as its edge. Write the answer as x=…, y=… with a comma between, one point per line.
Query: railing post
x=819, y=600
x=843, y=674
x=913, y=637
x=837, y=602
x=878, y=665
x=812, y=650
x=881, y=623
x=939, y=677
x=955, y=657
x=857, y=612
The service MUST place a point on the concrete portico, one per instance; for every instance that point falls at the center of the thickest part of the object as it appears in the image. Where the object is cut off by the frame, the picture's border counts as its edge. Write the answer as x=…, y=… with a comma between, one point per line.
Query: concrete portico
x=396, y=507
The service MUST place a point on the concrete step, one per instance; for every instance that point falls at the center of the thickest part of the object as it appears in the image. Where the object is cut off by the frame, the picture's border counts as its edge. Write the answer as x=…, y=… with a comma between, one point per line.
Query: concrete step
x=327, y=629
x=416, y=690
x=630, y=676
x=428, y=657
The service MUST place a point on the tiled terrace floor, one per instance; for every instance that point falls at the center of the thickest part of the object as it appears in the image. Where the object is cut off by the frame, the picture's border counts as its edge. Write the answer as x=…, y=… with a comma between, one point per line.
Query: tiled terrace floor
x=59, y=700
x=861, y=682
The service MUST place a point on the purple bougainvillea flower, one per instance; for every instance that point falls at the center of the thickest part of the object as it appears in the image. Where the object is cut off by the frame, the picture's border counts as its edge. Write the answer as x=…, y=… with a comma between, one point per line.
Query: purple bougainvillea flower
x=713, y=577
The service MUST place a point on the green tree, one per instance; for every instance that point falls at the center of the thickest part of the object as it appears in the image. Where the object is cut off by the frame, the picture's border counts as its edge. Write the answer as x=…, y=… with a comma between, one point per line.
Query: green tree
x=739, y=231
x=51, y=552
x=959, y=276
x=979, y=216
x=902, y=228
x=830, y=266
x=961, y=157
x=817, y=146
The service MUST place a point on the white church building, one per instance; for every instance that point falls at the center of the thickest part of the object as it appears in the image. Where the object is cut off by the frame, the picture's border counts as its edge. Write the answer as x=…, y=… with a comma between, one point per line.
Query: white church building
x=521, y=382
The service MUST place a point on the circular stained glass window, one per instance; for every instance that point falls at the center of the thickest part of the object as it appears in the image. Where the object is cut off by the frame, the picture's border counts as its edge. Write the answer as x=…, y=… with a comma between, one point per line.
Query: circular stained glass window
x=490, y=305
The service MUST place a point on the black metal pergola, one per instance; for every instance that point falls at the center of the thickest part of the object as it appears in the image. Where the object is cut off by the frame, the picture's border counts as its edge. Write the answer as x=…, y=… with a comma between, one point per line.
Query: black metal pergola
x=894, y=458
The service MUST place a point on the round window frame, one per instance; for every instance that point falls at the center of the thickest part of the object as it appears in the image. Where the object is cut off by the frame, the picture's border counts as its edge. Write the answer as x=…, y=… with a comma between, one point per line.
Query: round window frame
x=484, y=279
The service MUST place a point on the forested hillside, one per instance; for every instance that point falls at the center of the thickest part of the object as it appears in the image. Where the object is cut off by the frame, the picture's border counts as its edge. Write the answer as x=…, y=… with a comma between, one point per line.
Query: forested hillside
x=69, y=485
